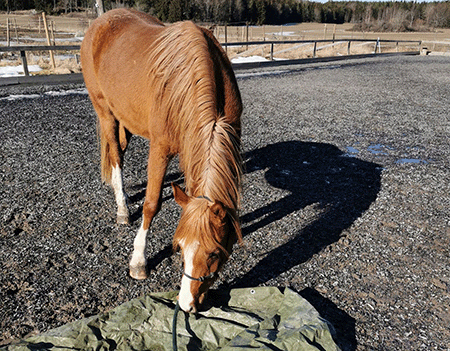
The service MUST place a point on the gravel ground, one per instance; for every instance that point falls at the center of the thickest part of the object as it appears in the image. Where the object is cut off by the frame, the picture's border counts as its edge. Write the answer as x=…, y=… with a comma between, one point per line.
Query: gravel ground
x=345, y=200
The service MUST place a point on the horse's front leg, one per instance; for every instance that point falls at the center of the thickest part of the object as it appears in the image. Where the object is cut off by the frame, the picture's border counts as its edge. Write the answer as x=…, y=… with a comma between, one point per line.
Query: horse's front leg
x=157, y=166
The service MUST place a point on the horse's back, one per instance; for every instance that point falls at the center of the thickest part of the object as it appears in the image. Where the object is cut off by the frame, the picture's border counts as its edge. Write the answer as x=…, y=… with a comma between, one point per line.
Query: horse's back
x=113, y=22
x=112, y=60
x=107, y=36
x=137, y=64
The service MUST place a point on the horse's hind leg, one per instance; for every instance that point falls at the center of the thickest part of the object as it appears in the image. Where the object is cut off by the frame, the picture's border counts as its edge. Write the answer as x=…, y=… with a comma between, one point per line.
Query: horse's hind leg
x=116, y=176
x=113, y=139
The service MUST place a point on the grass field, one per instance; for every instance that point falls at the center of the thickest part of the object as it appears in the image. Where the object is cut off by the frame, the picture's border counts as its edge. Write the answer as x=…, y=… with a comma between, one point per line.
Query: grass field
x=26, y=28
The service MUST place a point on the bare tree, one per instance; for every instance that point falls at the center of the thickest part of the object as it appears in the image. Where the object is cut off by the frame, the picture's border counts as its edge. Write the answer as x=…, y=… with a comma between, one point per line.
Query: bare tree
x=438, y=14
x=99, y=7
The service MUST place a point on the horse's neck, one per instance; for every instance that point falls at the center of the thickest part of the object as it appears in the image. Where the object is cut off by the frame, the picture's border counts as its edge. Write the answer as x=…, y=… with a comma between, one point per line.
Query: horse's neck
x=209, y=175
x=200, y=181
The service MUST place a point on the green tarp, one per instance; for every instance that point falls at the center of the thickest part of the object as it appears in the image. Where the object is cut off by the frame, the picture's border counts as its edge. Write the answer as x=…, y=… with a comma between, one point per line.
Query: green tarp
x=264, y=318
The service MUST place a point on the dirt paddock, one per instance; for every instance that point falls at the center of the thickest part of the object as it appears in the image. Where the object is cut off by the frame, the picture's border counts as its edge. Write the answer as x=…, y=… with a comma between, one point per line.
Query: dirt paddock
x=346, y=200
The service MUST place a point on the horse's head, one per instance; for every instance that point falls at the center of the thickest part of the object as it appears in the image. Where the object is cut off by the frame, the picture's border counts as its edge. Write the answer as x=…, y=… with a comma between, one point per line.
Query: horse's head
x=205, y=234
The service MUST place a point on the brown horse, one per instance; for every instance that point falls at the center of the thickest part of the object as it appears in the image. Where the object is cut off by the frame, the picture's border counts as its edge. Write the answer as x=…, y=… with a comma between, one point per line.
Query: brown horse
x=173, y=85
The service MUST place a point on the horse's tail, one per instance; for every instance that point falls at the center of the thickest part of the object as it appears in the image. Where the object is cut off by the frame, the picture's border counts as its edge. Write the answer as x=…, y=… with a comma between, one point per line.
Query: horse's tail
x=122, y=136
x=105, y=156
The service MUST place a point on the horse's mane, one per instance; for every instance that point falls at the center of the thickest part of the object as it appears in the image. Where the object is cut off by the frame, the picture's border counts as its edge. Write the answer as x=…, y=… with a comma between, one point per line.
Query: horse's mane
x=183, y=75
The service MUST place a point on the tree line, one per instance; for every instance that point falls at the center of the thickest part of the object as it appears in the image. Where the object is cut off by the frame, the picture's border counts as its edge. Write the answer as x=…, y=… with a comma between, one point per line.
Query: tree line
x=389, y=15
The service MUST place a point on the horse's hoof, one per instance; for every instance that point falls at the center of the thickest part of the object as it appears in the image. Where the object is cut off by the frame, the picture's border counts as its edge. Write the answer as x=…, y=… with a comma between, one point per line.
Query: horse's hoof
x=122, y=218
x=138, y=273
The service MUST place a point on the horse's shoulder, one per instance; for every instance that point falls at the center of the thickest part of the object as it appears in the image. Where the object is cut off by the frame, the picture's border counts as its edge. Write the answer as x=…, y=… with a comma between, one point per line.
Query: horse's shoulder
x=120, y=18
x=145, y=17
x=184, y=27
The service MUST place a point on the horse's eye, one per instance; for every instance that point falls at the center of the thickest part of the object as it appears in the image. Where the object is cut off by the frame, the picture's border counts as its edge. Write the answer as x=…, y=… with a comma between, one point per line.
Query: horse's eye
x=213, y=256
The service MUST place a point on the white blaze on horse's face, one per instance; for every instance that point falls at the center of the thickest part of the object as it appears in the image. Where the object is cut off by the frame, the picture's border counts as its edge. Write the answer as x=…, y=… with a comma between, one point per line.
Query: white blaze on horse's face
x=186, y=299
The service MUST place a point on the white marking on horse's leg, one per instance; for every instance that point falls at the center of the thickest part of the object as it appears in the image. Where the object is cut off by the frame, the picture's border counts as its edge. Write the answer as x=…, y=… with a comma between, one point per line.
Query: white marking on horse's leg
x=138, y=263
x=185, y=298
x=117, y=184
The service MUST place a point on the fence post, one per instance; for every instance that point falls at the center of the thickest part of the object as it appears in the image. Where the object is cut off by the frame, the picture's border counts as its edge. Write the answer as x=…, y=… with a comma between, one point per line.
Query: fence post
x=246, y=35
x=376, y=45
x=52, y=32
x=52, y=58
x=15, y=29
x=348, y=47
x=7, y=33
x=23, y=57
x=271, y=51
x=226, y=38
x=315, y=49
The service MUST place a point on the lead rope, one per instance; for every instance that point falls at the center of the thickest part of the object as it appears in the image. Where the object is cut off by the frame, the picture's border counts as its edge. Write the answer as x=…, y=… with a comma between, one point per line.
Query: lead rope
x=174, y=327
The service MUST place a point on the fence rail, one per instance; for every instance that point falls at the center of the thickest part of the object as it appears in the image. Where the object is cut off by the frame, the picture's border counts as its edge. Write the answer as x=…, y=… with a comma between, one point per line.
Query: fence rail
x=376, y=42
x=39, y=48
x=23, y=49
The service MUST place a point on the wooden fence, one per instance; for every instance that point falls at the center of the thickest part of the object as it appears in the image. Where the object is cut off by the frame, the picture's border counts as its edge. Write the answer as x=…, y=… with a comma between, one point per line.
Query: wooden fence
x=23, y=50
x=78, y=77
x=375, y=42
x=376, y=46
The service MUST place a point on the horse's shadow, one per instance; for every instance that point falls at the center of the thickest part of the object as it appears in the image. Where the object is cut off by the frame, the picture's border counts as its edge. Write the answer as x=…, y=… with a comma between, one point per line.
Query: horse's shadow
x=340, y=187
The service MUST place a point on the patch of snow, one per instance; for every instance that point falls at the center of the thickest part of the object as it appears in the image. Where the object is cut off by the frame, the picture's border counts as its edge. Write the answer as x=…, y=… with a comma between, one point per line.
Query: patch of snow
x=20, y=97
x=15, y=71
x=260, y=74
x=11, y=43
x=285, y=34
x=249, y=59
x=253, y=59
x=81, y=91
x=65, y=57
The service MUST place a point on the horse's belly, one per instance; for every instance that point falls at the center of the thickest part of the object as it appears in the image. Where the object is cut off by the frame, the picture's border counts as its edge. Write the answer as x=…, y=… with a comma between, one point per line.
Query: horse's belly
x=131, y=117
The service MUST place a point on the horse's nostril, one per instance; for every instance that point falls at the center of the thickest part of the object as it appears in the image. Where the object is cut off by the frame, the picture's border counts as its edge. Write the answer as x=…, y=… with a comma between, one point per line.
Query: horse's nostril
x=192, y=309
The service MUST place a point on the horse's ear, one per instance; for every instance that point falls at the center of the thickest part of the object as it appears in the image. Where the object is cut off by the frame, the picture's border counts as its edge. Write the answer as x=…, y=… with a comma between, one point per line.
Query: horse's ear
x=218, y=211
x=176, y=245
x=180, y=196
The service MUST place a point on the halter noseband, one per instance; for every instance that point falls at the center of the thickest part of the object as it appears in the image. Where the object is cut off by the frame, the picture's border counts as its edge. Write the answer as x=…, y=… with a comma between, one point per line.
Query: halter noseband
x=204, y=197
x=201, y=279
